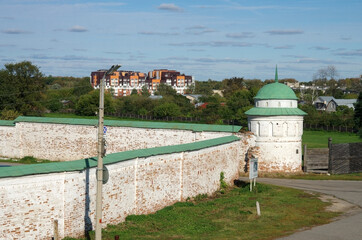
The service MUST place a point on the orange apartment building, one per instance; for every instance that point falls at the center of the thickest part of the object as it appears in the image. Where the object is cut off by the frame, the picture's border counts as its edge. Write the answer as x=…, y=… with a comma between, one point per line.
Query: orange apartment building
x=123, y=82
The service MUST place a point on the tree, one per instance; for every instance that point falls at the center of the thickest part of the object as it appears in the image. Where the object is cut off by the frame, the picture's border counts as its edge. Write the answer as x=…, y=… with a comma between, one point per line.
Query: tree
x=321, y=77
x=144, y=91
x=239, y=99
x=203, y=88
x=233, y=84
x=165, y=90
x=88, y=104
x=22, y=88
x=167, y=109
x=134, y=92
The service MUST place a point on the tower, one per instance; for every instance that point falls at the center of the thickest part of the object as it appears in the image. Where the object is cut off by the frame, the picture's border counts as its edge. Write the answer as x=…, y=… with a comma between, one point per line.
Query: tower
x=277, y=123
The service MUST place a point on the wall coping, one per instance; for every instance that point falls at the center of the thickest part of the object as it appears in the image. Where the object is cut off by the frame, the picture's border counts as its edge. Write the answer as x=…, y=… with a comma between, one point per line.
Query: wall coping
x=9, y=123
x=135, y=124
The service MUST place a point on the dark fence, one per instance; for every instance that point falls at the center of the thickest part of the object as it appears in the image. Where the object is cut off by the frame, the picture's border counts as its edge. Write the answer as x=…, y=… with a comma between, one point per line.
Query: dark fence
x=345, y=158
x=316, y=160
x=329, y=128
x=336, y=159
x=170, y=119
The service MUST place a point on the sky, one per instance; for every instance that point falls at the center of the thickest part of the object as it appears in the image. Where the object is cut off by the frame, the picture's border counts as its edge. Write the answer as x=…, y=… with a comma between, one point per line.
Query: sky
x=208, y=39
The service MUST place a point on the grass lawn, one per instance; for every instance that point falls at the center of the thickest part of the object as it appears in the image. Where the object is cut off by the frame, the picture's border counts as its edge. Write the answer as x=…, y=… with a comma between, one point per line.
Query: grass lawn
x=319, y=139
x=312, y=176
x=228, y=216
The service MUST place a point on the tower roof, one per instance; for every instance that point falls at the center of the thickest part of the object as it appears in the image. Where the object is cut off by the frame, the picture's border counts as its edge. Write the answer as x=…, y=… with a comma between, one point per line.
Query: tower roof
x=276, y=90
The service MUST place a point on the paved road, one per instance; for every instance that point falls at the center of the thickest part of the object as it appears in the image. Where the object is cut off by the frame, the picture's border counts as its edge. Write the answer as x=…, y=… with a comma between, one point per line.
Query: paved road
x=348, y=228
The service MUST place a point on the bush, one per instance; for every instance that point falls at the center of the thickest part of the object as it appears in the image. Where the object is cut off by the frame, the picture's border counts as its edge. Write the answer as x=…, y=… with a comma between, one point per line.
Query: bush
x=9, y=114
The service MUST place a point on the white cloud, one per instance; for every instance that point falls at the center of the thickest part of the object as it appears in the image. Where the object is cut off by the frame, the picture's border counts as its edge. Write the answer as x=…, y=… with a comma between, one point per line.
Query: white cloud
x=241, y=35
x=15, y=31
x=77, y=28
x=170, y=7
x=285, y=32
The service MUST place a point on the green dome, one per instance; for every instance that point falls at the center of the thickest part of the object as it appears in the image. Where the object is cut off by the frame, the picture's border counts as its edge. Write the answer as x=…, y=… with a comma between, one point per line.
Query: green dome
x=276, y=91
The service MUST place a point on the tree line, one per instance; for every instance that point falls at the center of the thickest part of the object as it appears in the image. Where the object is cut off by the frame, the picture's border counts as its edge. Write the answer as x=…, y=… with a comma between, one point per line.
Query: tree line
x=24, y=90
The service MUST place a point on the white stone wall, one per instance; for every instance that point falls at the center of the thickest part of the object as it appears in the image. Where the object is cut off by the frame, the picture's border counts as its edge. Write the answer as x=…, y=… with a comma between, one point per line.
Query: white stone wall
x=30, y=204
x=279, y=139
x=64, y=142
x=9, y=143
x=276, y=103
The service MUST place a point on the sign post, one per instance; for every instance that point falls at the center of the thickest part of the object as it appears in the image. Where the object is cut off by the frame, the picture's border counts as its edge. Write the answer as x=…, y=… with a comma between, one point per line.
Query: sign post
x=253, y=172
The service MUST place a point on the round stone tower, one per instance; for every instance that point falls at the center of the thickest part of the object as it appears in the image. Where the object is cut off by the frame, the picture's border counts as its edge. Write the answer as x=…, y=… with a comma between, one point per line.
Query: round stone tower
x=277, y=123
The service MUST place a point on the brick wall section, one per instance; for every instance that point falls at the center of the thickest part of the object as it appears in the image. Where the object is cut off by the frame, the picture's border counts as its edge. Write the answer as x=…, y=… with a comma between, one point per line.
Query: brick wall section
x=138, y=186
x=64, y=142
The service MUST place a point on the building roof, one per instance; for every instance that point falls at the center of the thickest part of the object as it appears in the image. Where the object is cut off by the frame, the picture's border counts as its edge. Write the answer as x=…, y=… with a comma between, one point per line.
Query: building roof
x=261, y=111
x=275, y=91
x=339, y=102
x=134, y=124
x=325, y=99
x=80, y=165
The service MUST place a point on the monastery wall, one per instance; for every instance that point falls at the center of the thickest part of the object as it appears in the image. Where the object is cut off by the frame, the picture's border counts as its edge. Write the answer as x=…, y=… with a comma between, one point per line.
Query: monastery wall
x=65, y=142
x=31, y=203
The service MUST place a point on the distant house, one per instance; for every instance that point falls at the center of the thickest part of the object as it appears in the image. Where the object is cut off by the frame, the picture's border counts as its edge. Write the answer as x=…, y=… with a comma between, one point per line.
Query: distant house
x=330, y=104
x=194, y=98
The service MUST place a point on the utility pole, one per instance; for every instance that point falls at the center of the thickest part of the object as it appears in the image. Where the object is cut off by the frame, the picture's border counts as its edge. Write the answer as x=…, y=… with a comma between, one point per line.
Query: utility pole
x=100, y=153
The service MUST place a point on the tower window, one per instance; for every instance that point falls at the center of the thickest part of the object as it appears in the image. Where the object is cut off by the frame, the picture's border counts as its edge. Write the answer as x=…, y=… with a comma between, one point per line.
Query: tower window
x=297, y=151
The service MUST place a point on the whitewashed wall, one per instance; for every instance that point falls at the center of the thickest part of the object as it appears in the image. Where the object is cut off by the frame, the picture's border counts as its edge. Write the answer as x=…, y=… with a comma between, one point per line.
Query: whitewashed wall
x=64, y=142
x=30, y=204
x=279, y=142
x=9, y=141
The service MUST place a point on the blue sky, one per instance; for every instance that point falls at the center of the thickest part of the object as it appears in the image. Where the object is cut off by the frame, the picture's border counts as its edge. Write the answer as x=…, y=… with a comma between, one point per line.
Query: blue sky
x=213, y=39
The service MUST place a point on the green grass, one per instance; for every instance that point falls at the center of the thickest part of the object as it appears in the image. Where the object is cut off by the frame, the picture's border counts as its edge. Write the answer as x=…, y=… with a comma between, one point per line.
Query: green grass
x=319, y=139
x=312, y=176
x=228, y=216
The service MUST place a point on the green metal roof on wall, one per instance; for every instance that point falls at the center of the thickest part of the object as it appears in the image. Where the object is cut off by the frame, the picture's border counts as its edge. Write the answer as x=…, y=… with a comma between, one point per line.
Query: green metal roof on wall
x=135, y=124
x=80, y=165
x=260, y=111
x=7, y=123
x=275, y=91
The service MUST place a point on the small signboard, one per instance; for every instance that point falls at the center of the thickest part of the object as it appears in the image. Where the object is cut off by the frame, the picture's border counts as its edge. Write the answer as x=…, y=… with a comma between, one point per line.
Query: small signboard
x=253, y=168
x=104, y=130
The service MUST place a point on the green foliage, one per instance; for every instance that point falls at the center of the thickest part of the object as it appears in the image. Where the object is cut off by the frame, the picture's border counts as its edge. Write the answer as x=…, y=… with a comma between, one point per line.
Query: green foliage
x=342, y=117
x=203, y=88
x=223, y=184
x=200, y=197
x=21, y=88
x=239, y=99
x=145, y=92
x=231, y=85
x=88, y=104
x=167, y=109
x=165, y=90
x=134, y=92
x=9, y=114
